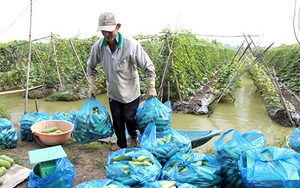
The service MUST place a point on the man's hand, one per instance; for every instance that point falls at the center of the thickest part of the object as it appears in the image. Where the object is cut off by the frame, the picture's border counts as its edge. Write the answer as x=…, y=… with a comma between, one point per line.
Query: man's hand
x=151, y=92
x=92, y=87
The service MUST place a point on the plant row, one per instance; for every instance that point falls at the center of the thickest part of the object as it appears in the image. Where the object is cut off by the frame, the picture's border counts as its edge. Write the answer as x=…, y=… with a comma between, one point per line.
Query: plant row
x=183, y=62
x=286, y=61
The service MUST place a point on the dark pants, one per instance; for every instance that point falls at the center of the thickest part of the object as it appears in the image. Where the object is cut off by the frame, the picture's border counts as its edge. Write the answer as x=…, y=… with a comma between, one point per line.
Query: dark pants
x=123, y=116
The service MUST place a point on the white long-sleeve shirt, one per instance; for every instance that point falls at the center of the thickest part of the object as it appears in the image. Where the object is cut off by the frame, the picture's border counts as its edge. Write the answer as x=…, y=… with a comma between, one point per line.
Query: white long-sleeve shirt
x=121, y=67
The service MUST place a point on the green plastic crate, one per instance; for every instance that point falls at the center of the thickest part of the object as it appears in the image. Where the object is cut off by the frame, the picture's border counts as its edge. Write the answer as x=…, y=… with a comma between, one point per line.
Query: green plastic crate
x=45, y=159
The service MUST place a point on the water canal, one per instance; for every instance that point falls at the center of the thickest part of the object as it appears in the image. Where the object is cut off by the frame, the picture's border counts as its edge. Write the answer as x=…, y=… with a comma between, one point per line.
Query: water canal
x=247, y=113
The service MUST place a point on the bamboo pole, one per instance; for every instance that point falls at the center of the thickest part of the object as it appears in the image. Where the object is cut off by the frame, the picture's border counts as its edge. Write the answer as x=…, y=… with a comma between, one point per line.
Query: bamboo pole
x=236, y=53
x=169, y=92
x=55, y=59
x=78, y=60
x=217, y=100
x=19, y=64
x=36, y=105
x=29, y=61
x=20, y=90
x=275, y=83
x=249, y=66
x=237, y=78
x=79, y=84
x=221, y=94
x=177, y=85
x=160, y=93
x=282, y=98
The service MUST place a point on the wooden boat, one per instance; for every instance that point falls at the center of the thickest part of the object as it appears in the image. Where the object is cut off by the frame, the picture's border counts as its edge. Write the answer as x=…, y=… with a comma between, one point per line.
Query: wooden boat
x=199, y=137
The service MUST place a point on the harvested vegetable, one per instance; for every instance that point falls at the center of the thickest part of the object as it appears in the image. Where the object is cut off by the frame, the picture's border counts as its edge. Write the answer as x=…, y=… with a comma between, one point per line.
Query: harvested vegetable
x=92, y=122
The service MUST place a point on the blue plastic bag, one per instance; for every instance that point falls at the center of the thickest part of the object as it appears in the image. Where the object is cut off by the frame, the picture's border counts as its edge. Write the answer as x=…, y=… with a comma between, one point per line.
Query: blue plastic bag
x=92, y=122
x=133, y=167
x=65, y=116
x=270, y=167
x=100, y=183
x=163, y=145
x=198, y=169
x=159, y=184
x=28, y=120
x=154, y=111
x=229, y=153
x=255, y=138
x=8, y=135
x=295, y=139
x=62, y=177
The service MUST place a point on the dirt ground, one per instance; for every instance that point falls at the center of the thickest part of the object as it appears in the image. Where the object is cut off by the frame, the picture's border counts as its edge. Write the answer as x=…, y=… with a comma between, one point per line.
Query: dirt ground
x=89, y=160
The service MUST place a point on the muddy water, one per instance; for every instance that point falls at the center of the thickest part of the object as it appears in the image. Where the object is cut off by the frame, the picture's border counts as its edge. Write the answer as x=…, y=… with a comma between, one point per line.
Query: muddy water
x=247, y=113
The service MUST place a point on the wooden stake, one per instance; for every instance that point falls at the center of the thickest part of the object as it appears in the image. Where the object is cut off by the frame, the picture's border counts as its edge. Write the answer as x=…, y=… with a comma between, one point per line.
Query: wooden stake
x=282, y=98
x=79, y=60
x=19, y=64
x=236, y=79
x=55, y=59
x=36, y=105
x=20, y=90
x=160, y=93
x=275, y=83
x=29, y=60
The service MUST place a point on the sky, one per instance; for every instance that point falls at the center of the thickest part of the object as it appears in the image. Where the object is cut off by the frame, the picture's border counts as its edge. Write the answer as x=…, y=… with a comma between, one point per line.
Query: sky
x=268, y=21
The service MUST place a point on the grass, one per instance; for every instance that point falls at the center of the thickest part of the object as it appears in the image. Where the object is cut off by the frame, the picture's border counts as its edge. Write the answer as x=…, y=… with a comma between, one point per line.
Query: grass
x=3, y=112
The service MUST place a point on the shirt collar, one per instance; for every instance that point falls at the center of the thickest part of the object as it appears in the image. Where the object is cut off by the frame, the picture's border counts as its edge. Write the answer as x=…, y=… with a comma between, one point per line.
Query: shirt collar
x=119, y=39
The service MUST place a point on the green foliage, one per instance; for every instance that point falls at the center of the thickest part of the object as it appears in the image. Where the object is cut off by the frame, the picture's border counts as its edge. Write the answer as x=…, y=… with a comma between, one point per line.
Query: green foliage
x=191, y=62
x=3, y=112
x=62, y=97
x=286, y=61
x=264, y=85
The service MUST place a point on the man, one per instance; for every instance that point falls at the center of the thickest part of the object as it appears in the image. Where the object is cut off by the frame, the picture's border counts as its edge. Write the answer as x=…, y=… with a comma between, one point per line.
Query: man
x=120, y=57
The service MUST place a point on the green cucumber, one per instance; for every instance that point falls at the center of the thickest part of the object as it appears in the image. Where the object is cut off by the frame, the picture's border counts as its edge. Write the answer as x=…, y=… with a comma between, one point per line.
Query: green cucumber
x=9, y=159
x=2, y=170
x=49, y=130
x=5, y=163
